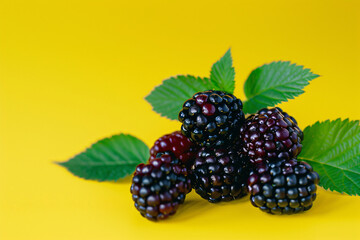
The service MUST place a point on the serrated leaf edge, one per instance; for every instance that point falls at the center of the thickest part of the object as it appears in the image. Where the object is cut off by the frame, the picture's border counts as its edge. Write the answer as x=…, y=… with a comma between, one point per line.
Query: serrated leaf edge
x=347, y=120
x=205, y=80
x=64, y=163
x=216, y=65
x=289, y=97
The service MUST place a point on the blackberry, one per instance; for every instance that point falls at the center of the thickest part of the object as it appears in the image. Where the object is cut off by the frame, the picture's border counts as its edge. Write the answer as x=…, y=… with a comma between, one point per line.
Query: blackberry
x=283, y=187
x=219, y=175
x=159, y=187
x=177, y=144
x=211, y=118
x=264, y=111
x=270, y=135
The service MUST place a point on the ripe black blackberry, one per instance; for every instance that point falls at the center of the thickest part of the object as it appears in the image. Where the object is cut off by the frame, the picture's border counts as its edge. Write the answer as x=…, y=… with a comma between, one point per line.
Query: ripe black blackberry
x=211, y=118
x=219, y=174
x=270, y=135
x=159, y=187
x=264, y=111
x=176, y=144
x=283, y=187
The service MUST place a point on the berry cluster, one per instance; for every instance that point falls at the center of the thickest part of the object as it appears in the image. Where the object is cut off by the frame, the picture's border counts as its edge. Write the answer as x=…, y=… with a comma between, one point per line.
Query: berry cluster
x=278, y=183
x=223, y=157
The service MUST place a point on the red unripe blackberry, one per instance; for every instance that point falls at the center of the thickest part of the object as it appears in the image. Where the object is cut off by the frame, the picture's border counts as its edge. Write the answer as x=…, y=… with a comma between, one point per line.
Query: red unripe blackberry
x=159, y=187
x=177, y=144
x=270, y=135
x=219, y=174
x=283, y=187
x=212, y=118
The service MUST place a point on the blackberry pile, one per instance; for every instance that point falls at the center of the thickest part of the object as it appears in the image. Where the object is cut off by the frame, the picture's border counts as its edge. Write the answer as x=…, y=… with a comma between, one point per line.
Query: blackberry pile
x=278, y=183
x=224, y=157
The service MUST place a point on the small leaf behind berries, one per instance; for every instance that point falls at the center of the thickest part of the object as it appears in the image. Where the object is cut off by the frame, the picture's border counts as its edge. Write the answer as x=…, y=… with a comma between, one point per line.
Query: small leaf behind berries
x=333, y=149
x=223, y=74
x=168, y=98
x=109, y=159
x=274, y=83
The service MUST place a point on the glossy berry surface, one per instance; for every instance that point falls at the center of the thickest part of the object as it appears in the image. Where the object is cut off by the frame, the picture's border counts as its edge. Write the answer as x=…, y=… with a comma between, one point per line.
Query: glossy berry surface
x=211, y=118
x=283, y=187
x=159, y=187
x=269, y=135
x=177, y=144
x=264, y=110
x=219, y=175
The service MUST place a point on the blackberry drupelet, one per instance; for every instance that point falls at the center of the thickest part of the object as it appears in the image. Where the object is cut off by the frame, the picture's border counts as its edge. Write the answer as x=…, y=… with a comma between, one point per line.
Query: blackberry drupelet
x=212, y=118
x=269, y=135
x=219, y=175
x=264, y=111
x=177, y=144
x=159, y=187
x=283, y=187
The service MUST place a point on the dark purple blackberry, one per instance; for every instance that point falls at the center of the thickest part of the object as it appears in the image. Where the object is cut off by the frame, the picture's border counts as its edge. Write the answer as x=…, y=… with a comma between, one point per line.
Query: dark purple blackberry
x=159, y=187
x=219, y=175
x=269, y=135
x=283, y=187
x=264, y=111
x=177, y=144
x=211, y=118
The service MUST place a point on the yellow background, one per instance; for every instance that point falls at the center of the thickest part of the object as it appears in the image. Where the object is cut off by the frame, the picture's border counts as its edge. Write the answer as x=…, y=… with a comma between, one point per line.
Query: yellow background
x=73, y=72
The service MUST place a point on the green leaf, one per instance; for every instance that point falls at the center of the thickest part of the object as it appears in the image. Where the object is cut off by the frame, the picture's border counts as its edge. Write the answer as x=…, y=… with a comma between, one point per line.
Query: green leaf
x=274, y=83
x=167, y=99
x=333, y=149
x=109, y=159
x=223, y=74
